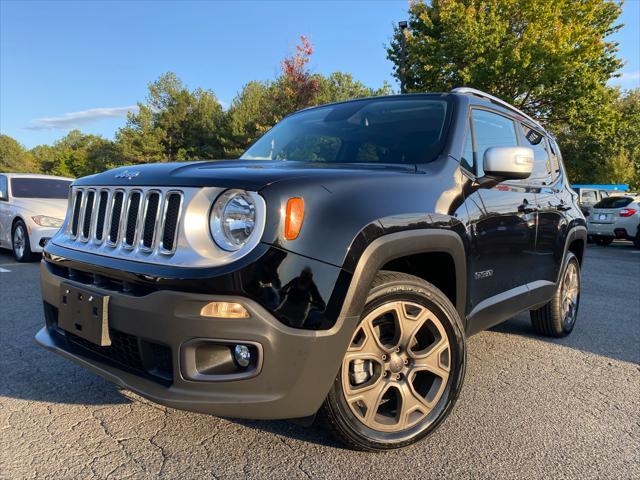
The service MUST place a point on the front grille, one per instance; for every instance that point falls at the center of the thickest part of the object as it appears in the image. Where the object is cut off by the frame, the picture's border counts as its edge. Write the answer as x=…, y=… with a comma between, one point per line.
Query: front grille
x=88, y=211
x=116, y=215
x=102, y=213
x=150, y=219
x=76, y=213
x=173, y=204
x=133, y=218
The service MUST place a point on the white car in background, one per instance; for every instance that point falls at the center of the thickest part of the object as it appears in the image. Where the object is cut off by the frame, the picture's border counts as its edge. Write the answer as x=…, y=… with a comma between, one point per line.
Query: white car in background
x=615, y=217
x=32, y=209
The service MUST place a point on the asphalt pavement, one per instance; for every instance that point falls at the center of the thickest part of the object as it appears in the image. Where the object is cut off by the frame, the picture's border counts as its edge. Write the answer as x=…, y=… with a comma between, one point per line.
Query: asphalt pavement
x=531, y=407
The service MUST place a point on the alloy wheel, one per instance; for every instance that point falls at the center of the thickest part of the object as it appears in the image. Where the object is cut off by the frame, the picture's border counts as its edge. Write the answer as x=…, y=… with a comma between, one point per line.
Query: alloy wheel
x=19, y=241
x=396, y=367
x=570, y=295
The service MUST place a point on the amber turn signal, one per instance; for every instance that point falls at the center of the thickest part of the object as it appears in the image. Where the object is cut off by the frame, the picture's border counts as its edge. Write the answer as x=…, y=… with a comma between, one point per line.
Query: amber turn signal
x=294, y=218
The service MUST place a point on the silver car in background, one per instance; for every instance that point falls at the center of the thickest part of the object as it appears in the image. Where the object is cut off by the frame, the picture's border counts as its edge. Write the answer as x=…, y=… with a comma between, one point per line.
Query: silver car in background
x=616, y=217
x=32, y=209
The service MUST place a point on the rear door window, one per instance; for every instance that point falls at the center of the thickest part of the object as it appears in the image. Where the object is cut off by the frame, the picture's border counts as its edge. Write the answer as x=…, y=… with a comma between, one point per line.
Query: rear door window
x=545, y=162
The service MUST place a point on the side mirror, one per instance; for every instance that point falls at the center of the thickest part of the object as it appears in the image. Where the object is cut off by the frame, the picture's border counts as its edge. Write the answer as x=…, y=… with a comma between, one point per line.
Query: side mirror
x=508, y=163
x=3, y=196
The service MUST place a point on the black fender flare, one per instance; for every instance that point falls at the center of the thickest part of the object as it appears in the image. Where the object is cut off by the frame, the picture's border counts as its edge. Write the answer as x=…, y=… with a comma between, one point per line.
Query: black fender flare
x=399, y=244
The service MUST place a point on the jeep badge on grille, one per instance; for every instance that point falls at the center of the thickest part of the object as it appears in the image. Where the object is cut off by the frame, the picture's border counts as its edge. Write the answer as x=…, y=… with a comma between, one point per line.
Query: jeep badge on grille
x=128, y=174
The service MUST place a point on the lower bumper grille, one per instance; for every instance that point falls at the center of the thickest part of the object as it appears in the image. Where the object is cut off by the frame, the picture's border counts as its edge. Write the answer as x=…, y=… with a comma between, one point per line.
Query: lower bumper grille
x=128, y=352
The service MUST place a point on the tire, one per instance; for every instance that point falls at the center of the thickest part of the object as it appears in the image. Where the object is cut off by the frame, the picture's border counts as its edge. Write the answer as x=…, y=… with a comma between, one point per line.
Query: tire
x=636, y=239
x=558, y=317
x=425, y=373
x=604, y=241
x=20, y=242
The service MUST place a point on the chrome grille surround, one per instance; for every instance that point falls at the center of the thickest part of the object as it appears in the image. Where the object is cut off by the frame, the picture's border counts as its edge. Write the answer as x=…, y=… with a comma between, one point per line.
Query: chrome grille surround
x=177, y=233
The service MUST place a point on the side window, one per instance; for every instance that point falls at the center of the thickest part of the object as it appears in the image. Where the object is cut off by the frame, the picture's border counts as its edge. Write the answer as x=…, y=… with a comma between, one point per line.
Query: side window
x=545, y=163
x=467, y=155
x=555, y=158
x=492, y=130
x=589, y=196
x=4, y=188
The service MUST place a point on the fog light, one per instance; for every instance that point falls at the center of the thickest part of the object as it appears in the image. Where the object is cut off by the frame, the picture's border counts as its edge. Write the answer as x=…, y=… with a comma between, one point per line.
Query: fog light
x=242, y=355
x=224, y=310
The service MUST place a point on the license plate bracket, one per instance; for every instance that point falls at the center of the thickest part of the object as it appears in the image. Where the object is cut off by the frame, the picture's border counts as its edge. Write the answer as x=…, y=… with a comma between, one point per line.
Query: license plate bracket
x=85, y=313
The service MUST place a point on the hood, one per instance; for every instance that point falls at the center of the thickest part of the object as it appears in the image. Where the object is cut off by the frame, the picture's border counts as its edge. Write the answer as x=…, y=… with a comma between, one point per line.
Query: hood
x=52, y=207
x=247, y=174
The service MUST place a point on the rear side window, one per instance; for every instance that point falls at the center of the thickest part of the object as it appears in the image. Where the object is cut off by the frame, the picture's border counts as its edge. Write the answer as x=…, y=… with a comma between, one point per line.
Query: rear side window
x=3, y=187
x=492, y=130
x=589, y=196
x=613, y=202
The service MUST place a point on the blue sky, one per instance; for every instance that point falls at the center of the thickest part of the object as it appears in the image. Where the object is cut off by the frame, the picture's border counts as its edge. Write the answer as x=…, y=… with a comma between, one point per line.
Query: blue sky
x=83, y=64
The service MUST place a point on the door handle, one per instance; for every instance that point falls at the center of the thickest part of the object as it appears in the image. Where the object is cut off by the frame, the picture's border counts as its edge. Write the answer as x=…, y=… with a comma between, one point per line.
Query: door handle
x=525, y=207
x=563, y=207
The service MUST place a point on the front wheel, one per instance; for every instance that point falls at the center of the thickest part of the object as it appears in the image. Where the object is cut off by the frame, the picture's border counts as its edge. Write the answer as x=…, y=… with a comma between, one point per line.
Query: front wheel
x=558, y=317
x=20, y=242
x=403, y=369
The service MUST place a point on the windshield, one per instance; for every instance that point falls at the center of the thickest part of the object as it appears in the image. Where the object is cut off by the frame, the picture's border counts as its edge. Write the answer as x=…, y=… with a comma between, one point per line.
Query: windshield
x=385, y=130
x=39, y=188
x=613, y=202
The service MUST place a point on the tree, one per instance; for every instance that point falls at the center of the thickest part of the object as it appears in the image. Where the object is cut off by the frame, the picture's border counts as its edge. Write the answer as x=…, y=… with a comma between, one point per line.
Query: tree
x=14, y=157
x=543, y=56
x=260, y=105
x=76, y=155
x=175, y=124
x=601, y=140
x=340, y=86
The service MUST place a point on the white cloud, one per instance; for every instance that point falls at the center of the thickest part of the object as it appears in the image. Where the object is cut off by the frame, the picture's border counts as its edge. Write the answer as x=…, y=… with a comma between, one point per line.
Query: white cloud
x=627, y=79
x=630, y=75
x=72, y=120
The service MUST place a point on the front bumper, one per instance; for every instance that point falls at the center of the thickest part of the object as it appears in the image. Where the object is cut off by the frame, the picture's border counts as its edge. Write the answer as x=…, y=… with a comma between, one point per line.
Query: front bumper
x=39, y=236
x=297, y=366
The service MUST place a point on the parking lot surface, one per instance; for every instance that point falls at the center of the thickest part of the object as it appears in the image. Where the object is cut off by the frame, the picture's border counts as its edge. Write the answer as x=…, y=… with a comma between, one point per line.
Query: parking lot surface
x=531, y=407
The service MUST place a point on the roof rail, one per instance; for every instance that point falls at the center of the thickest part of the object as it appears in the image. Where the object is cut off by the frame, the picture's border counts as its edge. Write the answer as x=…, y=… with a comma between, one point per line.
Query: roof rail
x=480, y=93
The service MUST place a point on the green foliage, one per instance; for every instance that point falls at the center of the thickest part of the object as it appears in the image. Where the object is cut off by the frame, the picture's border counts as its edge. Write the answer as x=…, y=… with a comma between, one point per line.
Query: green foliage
x=260, y=105
x=174, y=124
x=76, y=155
x=601, y=141
x=551, y=58
x=14, y=157
x=540, y=55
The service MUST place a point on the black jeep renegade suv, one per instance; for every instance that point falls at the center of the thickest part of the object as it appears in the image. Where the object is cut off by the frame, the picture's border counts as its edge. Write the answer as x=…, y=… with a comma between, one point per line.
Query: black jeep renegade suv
x=337, y=267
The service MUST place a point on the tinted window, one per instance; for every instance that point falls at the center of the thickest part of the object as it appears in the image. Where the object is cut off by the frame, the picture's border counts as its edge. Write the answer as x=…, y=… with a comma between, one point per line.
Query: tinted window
x=589, y=196
x=467, y=155
x=401, y=130
x=492, y=130
x=39, y=188
x=543, y=170
x=3, y=186
x=613, y=202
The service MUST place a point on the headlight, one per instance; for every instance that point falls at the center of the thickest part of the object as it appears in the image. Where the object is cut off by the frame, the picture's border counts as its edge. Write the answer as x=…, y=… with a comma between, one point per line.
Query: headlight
x=233, y=219
x=45, y=221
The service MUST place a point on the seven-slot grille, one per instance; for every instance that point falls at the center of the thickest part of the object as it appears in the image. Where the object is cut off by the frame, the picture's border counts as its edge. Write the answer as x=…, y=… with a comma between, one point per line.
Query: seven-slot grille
x=129, y=218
